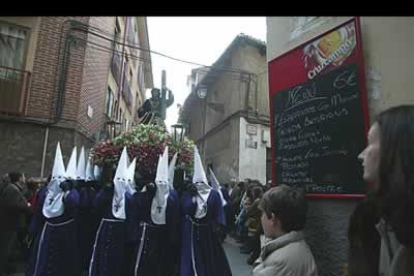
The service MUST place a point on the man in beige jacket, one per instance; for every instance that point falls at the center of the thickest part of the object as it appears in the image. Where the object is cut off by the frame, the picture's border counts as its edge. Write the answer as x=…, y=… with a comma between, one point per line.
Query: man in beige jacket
x=285, y=251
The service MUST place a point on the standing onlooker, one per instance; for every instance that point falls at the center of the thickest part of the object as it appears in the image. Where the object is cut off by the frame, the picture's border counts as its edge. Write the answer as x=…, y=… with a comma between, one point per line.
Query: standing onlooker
x=241, y=212
x=269, y=185
x=283, y=219
x=231, y=185
x=13, y=207
x=246, y=202
x=235, y=195
x=253, y=224
x=33, y=186
x=228, y=211
x=28, y=189
x=382, y=226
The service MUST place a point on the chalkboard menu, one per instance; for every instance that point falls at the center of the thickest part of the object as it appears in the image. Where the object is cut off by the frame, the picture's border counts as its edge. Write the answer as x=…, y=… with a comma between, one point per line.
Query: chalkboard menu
x=319, y=122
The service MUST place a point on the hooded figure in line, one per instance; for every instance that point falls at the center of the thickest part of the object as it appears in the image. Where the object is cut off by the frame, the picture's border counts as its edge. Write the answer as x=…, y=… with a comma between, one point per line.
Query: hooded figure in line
x=171, y=172
x=225, y=198
x=54, y=252
x=202, y=210
x=157, y=218
x=215, y=184
x=87, y=218
x=108, y=254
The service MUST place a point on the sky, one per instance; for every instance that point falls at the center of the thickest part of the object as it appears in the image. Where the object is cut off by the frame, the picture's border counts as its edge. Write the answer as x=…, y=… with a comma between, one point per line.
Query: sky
x=197, y=39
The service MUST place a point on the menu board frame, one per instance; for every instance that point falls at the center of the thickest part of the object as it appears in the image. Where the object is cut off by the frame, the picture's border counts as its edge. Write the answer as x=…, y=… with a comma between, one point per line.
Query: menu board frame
x=279, y=83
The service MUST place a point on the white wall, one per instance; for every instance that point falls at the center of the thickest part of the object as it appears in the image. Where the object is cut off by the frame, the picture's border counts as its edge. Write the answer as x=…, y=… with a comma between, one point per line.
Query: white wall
x=252, y=161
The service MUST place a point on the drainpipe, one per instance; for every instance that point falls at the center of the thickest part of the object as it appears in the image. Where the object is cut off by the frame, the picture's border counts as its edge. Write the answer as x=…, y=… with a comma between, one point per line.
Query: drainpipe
x=204, y=129
x=256, y=81
x=247, y=80
x=42, y=169
x=121, y=77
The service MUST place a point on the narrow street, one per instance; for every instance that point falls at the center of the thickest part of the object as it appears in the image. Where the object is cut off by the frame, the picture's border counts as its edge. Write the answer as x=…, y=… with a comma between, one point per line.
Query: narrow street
x=237, y=261
x=238, y=264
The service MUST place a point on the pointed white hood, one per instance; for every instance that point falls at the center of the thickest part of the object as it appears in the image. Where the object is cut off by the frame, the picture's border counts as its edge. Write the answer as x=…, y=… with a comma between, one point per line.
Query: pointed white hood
x=121, y=174
x=89, y=174
x=216, y=186
x=80, y=170
x=200, y=181
x=53, y=205
x=130, y=187
x=171, y=170
x=159, y=202
x=71, y=169
x=162, y=169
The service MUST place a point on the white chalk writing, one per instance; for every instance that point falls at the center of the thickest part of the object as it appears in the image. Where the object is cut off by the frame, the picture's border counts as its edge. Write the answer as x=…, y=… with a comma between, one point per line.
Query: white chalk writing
x=342, y=99
x=345, y=79
x=320, y=188
x=295, y=115
x=295, y=180
x=325, y=117
x=295, y=166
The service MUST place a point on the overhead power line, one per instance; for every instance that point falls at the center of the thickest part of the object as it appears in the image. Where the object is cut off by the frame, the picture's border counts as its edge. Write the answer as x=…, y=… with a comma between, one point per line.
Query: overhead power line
x=112, y=50
x=105, y=35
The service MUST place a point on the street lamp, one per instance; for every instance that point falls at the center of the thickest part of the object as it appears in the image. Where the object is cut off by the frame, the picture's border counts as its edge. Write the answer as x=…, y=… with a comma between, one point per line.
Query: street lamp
x=178, y=138
x=202, y=91
x=178, y=133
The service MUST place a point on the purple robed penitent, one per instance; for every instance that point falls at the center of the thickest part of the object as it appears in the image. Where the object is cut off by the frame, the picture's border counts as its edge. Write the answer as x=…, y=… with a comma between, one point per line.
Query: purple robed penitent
x=55, y=250
x=108, y=254
x=88, y=222
x=202, y=252
x=156, y=247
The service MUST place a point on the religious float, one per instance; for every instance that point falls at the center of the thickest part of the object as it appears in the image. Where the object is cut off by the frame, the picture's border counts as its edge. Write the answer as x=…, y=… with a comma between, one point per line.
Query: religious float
x=145, y=143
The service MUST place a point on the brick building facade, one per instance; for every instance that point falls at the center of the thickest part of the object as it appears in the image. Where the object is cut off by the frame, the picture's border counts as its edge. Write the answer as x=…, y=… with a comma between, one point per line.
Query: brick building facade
x=54, y=87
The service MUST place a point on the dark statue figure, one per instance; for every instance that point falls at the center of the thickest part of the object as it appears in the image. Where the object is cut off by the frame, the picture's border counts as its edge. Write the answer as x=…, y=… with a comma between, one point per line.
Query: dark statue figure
x=153, y=111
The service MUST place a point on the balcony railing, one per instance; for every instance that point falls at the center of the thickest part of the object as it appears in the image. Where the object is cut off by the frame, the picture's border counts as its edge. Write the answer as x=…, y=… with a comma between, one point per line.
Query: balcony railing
x=14, y=90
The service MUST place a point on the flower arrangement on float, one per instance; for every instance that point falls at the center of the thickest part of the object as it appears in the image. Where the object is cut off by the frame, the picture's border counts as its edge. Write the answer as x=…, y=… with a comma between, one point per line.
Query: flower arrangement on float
x=146, y=143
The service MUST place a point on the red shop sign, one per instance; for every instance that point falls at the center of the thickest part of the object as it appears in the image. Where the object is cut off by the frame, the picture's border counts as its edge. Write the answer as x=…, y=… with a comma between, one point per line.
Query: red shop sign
x=319, y=115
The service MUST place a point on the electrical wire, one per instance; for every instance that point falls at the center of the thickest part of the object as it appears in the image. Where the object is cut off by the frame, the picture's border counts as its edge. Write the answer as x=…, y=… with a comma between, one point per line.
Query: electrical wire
x=131, y=45
x=134, y=46
x=215, y=67
x=111, y=50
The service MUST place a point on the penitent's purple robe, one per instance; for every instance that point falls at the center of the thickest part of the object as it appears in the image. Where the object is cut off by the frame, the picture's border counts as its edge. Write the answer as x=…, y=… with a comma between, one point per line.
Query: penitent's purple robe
x=202, y=253
x=55, y=250
x=108, y=254
x=156, y=247
x=88, y=222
